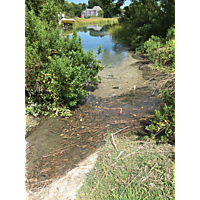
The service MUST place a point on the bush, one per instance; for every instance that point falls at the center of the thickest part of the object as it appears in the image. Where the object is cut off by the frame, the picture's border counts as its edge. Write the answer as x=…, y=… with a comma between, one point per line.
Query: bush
x=161, y=51
x=164, y=121
x=56, y=68
x=88, y=17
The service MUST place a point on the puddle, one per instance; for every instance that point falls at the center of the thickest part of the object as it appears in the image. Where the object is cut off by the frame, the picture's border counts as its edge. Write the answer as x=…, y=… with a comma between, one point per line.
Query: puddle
x=56, y=146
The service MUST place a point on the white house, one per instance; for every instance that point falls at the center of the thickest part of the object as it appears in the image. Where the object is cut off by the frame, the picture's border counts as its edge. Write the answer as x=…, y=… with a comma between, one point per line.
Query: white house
x=90, y=12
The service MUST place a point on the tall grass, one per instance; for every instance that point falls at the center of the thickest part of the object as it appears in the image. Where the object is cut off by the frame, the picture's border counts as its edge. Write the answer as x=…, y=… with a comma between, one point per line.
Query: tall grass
x=121, y=33
x=101, y=21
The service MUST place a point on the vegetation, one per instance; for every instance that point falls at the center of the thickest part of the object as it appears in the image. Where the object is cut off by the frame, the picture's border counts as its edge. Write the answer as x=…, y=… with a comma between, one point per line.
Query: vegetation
x=72, y=9
x=100, y=13
x=138, y=170
x=95, y=20
x=109, y=11
x=35, y=5
x=88, y=17
x=56, y=68
x=161, y=51
x=145, y=18
x=164, y=120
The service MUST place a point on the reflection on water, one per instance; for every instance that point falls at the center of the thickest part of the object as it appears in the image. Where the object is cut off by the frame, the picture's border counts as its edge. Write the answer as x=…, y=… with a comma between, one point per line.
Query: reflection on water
x=95, y=27
x=95, y=35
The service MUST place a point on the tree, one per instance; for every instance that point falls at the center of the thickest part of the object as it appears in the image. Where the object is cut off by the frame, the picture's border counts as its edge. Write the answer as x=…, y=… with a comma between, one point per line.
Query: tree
x=58, y=2
x=77, y=9
x=100, y=13
x=111, y=11
x=107, y=3
x=68, y=7
x=36, y=5
x=84, y=6
x=92, y=3
x=143, y=18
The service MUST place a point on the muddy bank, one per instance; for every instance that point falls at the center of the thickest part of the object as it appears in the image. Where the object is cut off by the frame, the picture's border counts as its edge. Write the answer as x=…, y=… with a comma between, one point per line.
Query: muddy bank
x=155, y=80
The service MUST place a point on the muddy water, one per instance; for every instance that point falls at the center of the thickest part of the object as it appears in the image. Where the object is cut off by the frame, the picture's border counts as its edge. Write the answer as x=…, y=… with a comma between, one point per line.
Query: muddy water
x=57, y=145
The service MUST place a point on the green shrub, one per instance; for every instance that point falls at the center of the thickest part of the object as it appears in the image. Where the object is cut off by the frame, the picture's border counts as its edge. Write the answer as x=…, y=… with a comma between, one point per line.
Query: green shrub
x=88, y=17
x=161, y=51
x=164, y=120
x=56, y=68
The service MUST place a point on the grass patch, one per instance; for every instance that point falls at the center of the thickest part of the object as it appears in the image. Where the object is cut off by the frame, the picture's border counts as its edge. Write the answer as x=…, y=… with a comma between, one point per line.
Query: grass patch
x=121, y=34
x=144, y=170
x=95, y=20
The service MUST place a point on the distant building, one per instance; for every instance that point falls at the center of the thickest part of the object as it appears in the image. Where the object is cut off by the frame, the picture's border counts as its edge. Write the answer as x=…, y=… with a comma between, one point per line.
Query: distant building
x=90, y=12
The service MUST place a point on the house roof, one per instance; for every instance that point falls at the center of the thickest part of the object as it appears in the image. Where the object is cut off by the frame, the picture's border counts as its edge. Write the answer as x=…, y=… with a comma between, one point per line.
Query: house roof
x=96, y=7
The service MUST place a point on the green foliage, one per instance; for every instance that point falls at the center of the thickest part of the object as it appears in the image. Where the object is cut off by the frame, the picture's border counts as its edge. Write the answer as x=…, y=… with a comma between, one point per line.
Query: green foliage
x=161, y=51
x=36, y=110
x=164, y=121
x=56, y=68
x=100, y=12
x=92, y=3
x=108, y=10
x=145, y=18
x=111, y=10
x=88, y=17
x=35, y=5
x=77, y=8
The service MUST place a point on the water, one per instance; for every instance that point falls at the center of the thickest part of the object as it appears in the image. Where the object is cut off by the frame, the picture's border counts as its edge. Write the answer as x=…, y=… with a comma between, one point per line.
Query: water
x=94, y=35
x=57, y=145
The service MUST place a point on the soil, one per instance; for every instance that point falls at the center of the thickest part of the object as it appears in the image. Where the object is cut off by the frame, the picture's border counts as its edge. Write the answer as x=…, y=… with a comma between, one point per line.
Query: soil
x=57, y=147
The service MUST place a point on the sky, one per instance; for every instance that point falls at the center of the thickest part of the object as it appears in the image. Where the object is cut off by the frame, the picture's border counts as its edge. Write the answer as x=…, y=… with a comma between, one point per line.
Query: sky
x=127, y=2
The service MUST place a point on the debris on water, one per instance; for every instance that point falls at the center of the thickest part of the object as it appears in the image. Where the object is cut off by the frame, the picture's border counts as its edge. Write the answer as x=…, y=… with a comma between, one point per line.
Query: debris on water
x=115, y=87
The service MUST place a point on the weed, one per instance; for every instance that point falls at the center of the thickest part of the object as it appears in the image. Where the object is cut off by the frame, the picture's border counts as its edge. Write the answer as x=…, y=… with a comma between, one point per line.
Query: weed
x=144, y=170
x=164, y=120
